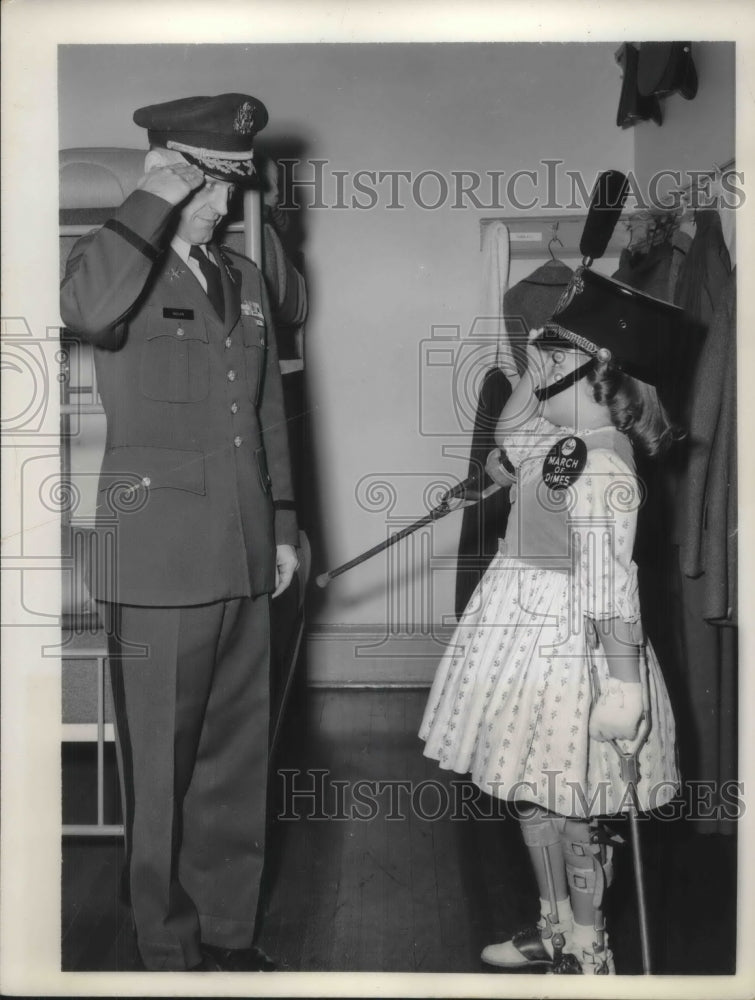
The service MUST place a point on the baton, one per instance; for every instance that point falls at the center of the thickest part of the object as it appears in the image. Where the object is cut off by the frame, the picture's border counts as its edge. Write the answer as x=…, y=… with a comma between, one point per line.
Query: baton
x=468, y=490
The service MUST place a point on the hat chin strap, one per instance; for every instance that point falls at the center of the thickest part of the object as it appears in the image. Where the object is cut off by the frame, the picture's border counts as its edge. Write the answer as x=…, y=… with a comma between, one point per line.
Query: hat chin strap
x=548, y=391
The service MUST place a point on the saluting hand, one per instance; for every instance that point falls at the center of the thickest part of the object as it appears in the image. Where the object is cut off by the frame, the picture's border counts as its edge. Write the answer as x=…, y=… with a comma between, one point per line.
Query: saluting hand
x=286, y=564
x=173, y=182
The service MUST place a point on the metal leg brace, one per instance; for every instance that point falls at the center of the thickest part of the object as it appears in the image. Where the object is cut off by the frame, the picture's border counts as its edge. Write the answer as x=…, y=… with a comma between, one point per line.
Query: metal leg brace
x=541, y=830
x=588, y=852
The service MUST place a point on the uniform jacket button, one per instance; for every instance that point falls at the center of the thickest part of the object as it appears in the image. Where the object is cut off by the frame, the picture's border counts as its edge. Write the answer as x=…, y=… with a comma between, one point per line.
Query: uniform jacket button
x=234, y=407
x=146, y=481
x=180, y=332
x=231, y=376
x=237, y=441
x=228, y=341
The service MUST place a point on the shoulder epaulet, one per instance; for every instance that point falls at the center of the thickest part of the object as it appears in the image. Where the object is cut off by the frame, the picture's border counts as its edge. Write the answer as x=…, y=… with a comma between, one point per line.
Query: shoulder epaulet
x=236, y=253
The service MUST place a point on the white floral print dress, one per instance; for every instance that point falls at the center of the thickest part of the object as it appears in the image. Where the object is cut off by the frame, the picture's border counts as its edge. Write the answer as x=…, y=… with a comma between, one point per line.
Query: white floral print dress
x=511, y=698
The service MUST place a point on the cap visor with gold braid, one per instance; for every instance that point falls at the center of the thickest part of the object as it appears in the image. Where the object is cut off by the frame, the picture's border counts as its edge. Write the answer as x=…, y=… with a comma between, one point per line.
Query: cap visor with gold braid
x=213, y=133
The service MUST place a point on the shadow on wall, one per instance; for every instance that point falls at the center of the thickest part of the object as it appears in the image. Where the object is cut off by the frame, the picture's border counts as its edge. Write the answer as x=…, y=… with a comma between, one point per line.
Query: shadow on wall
x=306, y=451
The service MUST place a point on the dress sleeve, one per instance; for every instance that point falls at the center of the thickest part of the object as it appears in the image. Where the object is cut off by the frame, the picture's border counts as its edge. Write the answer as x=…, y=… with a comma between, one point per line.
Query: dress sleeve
x=604, y=522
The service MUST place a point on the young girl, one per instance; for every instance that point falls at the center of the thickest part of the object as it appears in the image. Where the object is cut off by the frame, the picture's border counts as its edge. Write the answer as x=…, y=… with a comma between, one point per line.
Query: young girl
x=549, y=662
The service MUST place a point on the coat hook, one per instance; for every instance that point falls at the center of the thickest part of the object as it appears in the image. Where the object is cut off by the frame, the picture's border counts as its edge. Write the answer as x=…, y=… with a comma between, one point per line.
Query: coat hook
x=554, y=239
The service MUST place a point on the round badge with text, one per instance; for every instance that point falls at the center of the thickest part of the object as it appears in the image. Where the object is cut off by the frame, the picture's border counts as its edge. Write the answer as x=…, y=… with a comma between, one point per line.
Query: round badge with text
x=564, y=463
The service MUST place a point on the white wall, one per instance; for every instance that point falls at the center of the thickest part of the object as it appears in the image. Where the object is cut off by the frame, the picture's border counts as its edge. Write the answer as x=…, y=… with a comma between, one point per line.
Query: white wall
x=379, y=279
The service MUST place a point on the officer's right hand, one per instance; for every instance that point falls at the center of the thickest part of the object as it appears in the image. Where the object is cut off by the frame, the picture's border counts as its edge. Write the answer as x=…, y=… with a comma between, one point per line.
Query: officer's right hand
x=173, y=182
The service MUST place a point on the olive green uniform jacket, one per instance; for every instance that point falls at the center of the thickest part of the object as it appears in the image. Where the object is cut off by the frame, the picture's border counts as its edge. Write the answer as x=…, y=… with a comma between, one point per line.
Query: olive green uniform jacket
x=195, y=486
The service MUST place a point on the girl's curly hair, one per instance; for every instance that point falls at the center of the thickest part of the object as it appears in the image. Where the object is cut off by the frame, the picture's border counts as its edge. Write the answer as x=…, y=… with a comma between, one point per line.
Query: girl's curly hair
x=635, y=409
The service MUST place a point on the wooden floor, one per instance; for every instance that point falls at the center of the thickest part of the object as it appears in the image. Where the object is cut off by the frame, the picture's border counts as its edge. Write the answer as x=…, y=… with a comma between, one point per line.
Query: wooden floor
x=408, y=893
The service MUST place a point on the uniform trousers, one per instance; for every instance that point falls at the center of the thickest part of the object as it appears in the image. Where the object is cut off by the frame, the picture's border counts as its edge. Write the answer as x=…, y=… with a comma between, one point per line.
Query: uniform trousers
x=191, y=696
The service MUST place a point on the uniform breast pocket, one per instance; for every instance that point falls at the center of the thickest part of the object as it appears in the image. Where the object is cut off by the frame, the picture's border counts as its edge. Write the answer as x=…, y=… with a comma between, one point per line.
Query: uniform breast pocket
x=255, y=350
x=175, y=362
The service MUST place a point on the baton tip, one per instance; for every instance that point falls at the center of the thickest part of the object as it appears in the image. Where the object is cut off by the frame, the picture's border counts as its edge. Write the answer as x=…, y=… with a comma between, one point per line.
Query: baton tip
x=323, y=580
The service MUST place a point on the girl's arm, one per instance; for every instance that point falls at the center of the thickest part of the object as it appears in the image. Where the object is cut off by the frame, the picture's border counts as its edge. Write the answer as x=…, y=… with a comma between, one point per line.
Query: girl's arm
x=621, y=644
x=517, y=415
x=604, y=524
x=522, y=405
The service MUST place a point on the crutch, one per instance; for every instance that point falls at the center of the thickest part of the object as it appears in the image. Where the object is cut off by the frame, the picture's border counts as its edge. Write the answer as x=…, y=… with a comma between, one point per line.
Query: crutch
x=628, y=752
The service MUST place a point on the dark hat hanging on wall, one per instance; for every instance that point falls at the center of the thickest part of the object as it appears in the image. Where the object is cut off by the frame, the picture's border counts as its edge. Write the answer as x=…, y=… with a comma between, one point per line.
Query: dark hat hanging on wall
x=653, y=71
x=665, y=68
x=633, y=107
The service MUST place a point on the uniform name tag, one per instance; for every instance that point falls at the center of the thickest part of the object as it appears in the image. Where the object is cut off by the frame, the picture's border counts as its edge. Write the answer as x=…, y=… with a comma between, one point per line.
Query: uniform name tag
x=178, y=314
x=564, y=463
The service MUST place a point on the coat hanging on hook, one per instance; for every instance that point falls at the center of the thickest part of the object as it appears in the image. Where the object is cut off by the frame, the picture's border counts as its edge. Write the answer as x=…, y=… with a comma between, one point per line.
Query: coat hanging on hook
x=651, y=71
x=665, y=68
x=633, y=107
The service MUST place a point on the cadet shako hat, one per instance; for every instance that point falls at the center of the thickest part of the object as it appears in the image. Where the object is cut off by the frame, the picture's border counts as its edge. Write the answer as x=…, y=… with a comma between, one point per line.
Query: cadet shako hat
x=214, y=133
x=613, y=322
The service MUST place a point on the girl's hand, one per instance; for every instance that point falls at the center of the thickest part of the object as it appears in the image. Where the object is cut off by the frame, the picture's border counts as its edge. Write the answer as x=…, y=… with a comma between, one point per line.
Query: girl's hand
x=496, y=470
x=617, y=713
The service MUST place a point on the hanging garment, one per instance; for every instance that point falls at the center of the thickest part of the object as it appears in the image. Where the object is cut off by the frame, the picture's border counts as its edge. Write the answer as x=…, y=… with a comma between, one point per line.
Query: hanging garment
x=709, y=522
x=633, y=107
x=706, y=268
x=532, y=301
x=654, y=269
x=702, y=585
x=288, y=290
x=484, y=523
x=495, y=281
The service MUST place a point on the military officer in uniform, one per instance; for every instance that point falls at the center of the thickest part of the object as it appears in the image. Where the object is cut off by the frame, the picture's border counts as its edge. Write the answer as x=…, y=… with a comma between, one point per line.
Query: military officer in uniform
x=195, y=528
